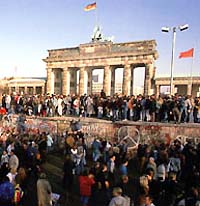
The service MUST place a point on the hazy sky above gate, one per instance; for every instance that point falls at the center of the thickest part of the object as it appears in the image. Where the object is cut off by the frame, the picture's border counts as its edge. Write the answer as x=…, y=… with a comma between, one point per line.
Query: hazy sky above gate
x=30, y=27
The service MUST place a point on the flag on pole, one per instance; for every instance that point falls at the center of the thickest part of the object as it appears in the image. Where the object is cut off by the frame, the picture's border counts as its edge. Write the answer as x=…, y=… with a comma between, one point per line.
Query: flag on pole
x=187, y=54
x=90, y=7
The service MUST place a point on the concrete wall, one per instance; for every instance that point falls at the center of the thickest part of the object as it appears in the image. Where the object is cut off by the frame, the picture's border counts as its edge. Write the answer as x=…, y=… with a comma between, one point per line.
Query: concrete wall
x=134, y=132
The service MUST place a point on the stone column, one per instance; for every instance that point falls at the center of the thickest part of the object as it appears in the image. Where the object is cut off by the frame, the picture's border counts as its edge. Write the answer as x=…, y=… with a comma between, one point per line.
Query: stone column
x=73, y=81
x=107, y=80
x=112, y=81
x=66, y=81
x=25, y=90
x=34, y=90
x=89, y=81
x=132, y=81
x=17, y=89
x=126, y=87
x=50, y=81
x=189, y=89
x=43, y=90
x=82, y=81
x=147, y=80
x=157, y=90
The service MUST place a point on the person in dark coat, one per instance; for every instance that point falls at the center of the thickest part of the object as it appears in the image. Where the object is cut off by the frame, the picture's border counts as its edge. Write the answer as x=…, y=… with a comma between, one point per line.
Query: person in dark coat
x=100, y=194
x=42, y=147
x=128, y=187
x=68, y=177
x=6, y=192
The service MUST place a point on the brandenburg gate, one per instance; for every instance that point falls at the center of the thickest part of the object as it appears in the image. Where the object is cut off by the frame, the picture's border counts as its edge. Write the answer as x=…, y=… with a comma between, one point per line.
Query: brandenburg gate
x=62, y=66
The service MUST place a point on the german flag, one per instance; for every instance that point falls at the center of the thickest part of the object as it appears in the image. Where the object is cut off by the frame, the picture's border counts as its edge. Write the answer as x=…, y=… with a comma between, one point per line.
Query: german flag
x=90, y=7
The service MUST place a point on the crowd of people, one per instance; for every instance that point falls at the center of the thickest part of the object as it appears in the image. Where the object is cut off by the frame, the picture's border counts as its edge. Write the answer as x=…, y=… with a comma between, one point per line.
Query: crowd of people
x=22, y=179
x=108, y=173
x=165, y=108
x=160, y=174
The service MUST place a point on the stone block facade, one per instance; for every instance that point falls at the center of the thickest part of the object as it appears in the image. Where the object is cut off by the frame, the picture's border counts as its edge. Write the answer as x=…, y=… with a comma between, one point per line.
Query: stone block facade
x=96, y=55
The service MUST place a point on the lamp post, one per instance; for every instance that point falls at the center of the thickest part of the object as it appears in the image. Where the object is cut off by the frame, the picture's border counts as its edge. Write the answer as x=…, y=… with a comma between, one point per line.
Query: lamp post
x=167, y=29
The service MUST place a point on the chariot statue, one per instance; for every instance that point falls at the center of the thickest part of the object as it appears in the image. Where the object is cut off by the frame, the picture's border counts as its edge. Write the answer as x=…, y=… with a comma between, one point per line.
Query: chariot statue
x=97, y=35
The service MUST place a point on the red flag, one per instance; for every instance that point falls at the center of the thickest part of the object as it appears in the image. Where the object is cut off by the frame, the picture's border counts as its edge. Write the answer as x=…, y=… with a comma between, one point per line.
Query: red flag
x=187, y=54
x=90, y=6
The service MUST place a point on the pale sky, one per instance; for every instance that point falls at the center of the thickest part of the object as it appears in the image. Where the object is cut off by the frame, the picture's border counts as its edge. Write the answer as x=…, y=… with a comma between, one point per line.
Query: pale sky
x=30, y=27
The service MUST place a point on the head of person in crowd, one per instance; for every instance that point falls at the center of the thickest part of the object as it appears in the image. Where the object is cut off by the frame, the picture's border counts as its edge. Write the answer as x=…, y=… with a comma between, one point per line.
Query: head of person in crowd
x=152, y=160
x=117, y=191
x=4, y=153
x=177, y=144
x=12, y=152
x=33, y=144
x=11, y=175
x=112, y=158
x=104, y=167
x=148, y=200
x=42, y=175
x=144, y=184
x=85, y=172
x=172, y=176
x=125, y=179
x=22, y=174
x=97, y=165
x=149, y=174
x=25, y=145
x=162, y=147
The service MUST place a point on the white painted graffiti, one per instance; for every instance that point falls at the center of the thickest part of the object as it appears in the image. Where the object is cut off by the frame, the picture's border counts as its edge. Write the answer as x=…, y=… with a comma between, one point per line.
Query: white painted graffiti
x=131, y=135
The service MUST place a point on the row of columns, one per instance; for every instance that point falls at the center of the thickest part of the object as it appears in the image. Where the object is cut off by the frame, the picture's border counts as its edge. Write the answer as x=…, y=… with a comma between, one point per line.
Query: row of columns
x=85, y=80
x=25, y=89
x=189, y=89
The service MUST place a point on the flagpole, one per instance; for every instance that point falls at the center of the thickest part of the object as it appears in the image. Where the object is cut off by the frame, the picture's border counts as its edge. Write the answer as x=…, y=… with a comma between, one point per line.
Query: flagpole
x=191, y=75
x=172, y=61
x=96, y=16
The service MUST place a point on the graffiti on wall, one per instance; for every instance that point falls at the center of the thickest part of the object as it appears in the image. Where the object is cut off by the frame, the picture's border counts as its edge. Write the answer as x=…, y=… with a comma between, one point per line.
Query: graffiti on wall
x=184, y=139
x=142, y=135
x=151, y=135
x=94, y=130
x=7, y=123
x=134, y=134
x=32, y=125
x=129, y=134
x=41, y=126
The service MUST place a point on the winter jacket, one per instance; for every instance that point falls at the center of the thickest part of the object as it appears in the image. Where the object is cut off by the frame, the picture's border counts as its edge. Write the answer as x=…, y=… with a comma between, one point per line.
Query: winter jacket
x=85, y=185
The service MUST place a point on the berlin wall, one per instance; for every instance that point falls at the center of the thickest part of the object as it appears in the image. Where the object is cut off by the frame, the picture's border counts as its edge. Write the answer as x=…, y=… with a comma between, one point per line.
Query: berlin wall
x=134, y=132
